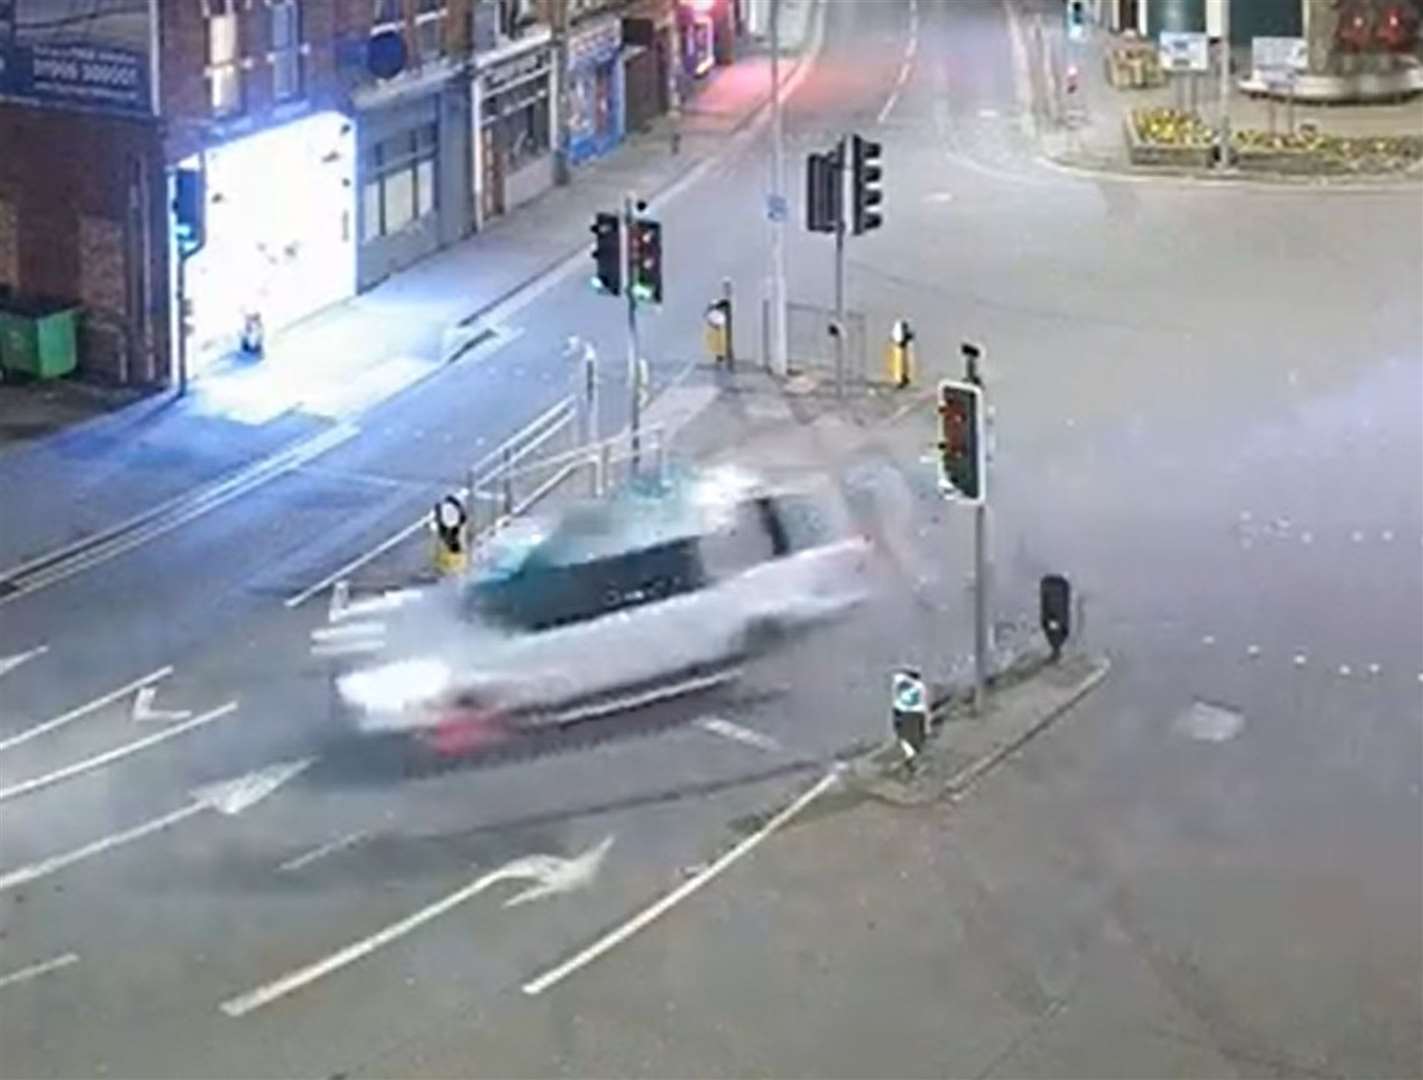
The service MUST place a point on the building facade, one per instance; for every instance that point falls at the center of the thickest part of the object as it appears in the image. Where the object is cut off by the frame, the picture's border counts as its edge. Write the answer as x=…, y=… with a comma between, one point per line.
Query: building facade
x=335, y=142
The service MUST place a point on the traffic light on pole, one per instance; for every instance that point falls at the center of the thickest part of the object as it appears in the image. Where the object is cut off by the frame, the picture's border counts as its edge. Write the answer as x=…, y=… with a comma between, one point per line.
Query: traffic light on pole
x=607, y=254
x=645, y=255
x=866, y=175
x=822, y=196
x=961, y=443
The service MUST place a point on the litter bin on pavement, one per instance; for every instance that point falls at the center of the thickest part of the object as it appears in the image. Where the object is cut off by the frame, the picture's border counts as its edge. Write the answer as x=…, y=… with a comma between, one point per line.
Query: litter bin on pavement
x=38, y=337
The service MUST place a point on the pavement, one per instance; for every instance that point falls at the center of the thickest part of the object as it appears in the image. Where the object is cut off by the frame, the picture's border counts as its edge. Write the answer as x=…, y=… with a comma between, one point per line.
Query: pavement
x=1205, y=415
x=1084, y=129
x=83, y=462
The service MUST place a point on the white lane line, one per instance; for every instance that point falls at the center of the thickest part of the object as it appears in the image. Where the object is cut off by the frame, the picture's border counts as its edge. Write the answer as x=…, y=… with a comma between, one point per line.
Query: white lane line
x=229, y=797
x=36, y=970
x=727, y=729
x=329, y=848
x=34, y=871
x=84, y=710
x=301, y=977
x=656, y=910
x=888, y=107
x=10, y=663
x=145, y=713
x=86, y=554
x=108, y=757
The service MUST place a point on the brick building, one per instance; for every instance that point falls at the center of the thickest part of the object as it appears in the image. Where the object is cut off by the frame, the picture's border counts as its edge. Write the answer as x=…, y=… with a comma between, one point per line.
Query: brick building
x=337, y=142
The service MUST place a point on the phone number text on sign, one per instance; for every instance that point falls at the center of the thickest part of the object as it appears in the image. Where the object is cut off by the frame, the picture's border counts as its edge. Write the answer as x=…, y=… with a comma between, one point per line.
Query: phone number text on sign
x=84, y=72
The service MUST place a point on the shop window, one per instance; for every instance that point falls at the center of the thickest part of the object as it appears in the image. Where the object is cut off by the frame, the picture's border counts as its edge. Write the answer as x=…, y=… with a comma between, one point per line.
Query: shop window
x=524, y=115
x=286, y=49
x=401, y=182
x=224, y=69
x=429, y=27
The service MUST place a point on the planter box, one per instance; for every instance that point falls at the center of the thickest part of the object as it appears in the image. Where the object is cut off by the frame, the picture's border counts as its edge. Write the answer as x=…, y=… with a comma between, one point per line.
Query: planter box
x=1142, y=152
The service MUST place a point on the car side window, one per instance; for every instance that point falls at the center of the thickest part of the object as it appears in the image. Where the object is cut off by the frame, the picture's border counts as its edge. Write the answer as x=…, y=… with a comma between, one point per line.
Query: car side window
x=750, y=536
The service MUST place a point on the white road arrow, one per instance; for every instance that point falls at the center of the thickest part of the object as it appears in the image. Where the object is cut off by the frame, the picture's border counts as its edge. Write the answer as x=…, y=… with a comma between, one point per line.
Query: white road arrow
x=227, y=797
x=10, y=663
x=145, y=713
x=553, y=874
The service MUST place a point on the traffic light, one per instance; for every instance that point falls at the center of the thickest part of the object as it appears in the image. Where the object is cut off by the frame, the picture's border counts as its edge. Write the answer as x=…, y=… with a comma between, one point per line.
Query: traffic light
x=607, y=254
x=1055, y=611
x=866, y=176
x=823, y=199
x=189, y=201
x=961, y=442
x=1076, y=19
x=645, y=257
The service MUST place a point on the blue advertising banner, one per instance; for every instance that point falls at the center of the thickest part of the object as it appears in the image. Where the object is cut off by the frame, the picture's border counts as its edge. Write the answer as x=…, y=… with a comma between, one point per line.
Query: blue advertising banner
x=83, y=53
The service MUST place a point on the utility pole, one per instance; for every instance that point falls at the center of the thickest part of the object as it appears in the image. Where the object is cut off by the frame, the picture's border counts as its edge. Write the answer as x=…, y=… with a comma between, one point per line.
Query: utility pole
x=634, y=368
x=841, y=180
x=981, y=644
x=1223, y=127
x=780, y=343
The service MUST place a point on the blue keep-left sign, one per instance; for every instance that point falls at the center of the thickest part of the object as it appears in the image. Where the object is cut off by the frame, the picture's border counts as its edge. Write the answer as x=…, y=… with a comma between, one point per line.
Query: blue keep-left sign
x=908, y=693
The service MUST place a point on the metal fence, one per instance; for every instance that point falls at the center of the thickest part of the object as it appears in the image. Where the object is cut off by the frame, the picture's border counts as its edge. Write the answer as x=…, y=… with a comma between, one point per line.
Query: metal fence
x=550, y=455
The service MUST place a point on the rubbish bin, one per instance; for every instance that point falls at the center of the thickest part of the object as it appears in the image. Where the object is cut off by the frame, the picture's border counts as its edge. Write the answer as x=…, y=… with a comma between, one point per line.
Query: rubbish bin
x=37, y=337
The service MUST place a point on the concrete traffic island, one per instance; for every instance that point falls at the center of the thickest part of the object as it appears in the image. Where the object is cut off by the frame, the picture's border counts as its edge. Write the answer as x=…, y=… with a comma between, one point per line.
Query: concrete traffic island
x=1021, y=702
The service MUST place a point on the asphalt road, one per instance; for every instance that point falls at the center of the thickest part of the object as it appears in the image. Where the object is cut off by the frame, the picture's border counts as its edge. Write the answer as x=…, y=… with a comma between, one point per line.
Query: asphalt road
x=1208, y=402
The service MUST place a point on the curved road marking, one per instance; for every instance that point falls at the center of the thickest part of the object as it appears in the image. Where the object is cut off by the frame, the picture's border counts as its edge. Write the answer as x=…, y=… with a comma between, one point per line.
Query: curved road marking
x=656, y=910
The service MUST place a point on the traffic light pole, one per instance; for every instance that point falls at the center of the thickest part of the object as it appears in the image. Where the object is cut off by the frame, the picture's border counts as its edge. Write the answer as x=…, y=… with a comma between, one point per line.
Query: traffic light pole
x=980, y=556
x=841, y=178
x=634, y=372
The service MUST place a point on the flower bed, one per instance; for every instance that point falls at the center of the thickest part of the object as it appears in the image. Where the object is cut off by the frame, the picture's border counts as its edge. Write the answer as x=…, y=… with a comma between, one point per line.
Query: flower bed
x=1317, y=153
x=1166, y=136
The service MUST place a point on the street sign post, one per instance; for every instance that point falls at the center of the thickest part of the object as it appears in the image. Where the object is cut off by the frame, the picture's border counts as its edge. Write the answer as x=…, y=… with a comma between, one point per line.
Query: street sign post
x=1278, y=62
x=909, y=712
x=1184, y=54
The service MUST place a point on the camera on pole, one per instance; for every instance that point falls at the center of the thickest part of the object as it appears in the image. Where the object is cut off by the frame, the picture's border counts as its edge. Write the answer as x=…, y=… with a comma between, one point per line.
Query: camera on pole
x=909, y=711
x=1055, y=610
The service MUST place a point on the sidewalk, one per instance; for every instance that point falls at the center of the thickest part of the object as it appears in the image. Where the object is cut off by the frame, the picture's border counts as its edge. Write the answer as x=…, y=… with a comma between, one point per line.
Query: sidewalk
x=1086, y=128
x=74, y=478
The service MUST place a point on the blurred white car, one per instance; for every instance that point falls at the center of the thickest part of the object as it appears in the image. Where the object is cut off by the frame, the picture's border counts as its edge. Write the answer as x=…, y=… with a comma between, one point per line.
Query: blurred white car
x=612, y=599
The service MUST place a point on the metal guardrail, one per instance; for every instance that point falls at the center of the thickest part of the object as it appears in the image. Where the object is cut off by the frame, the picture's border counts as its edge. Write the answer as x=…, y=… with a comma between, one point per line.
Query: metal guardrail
x=520, y=473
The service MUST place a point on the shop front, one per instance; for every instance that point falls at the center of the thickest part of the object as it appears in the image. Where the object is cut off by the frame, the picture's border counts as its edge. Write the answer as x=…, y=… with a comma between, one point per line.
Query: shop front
x=595, y=119
x=280, y=232
x=412, y=172
x=698, y=37
x=513, y=97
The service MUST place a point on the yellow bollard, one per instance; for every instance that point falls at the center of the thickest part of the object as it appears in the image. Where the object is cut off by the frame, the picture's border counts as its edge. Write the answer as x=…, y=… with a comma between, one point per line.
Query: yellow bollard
x=717, y=334
x=450, y=522
x=900, y=357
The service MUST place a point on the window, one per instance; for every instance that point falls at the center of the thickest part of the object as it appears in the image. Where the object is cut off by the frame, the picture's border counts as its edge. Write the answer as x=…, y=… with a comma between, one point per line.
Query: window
x=286, y=49
x=401, y=184
x=429, y=27
x=224, y=71
x=386, y=15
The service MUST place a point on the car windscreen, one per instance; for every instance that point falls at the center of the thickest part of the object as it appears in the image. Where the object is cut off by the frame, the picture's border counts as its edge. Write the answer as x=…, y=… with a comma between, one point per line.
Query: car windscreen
x=543, y=595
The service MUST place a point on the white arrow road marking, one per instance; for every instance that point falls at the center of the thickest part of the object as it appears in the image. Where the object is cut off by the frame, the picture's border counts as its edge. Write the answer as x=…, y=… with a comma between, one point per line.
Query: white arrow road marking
x=145, y=713
x=228, y=797
x=10, y=663
x=715, y=725
x=660, y=907
x=35, y=970
x=84, y=710
x=553, y=873
x=108, y=757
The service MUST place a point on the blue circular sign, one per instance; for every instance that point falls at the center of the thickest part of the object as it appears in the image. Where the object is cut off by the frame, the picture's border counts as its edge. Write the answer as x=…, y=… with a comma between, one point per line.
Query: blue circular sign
x=385, y=54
